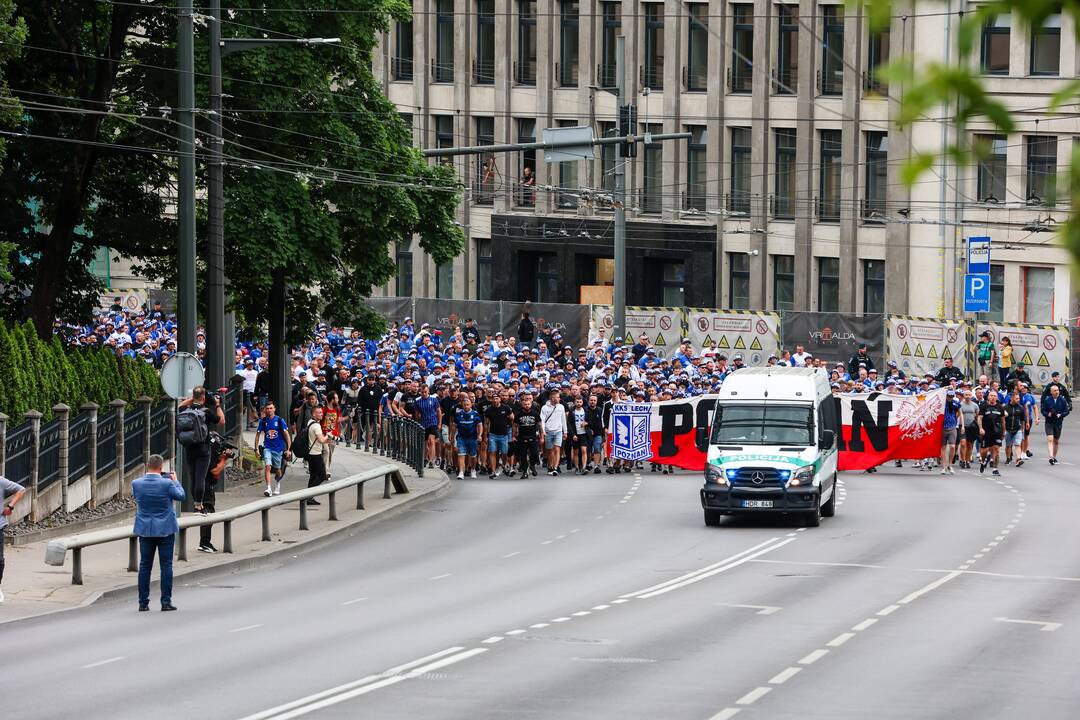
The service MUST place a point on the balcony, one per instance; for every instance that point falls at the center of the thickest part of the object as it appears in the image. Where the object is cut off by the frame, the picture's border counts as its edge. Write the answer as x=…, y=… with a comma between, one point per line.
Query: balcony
x=401, y=69
x=784, y=81
x=483, y=72
x=605, y=75
x=442, y=72
x=525, y=72
x=828, y=209
x=652, y=75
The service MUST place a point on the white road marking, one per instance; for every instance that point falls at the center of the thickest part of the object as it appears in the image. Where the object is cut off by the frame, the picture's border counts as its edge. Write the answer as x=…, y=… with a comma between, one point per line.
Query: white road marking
x=559, y=619
x=725, y=714
x=761, y=609
x=539, y=626
x=581, y=613
x=601, y=607
x=440, y=577
x=754, y=695
x=516, y=632
x=599, y=517
x=575, y=530
x=814, y=657
x=560, y=537
x=705, y=575
x=493, y=639
x=99, y=663
x=246, y=628
x=784, y=675
x=547, y=542
x=931, y=586
x=993, y=544
x=353, y=601
x=620, y=601
x=701, y=570
x=1046, y=626
x=864, y=624
x=510, y=555
x=840, y=639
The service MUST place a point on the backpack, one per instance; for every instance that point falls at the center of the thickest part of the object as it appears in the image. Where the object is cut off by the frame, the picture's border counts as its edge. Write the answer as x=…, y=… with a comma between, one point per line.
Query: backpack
x=301, y=445
x=191, y=426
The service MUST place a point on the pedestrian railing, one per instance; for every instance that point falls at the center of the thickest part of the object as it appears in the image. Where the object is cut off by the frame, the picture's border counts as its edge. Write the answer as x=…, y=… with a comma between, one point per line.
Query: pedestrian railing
x=56, y=551
x=397, y=438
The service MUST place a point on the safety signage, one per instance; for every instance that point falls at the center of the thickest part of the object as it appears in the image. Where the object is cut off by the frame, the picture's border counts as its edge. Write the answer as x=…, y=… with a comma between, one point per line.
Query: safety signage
x=921, y=345
x=1042, y=348
x=662, y=325
x=978, y=256
x=755, y=335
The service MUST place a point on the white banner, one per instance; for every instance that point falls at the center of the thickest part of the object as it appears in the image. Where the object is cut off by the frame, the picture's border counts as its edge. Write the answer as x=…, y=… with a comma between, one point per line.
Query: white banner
x=920, y=345
x=1042, y=348
x=755, y=335
x=663, y=325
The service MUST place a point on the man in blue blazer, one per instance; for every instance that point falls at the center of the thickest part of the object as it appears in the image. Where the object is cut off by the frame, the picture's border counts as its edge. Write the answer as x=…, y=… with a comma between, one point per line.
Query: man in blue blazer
x=156, y=527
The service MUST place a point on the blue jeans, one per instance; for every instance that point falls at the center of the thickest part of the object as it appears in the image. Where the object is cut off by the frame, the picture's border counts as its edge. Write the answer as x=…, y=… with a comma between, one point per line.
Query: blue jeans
x=164, y=548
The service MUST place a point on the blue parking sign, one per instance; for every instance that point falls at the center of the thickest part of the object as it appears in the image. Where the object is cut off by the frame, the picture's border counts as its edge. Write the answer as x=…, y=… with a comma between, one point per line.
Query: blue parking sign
x=976, y=293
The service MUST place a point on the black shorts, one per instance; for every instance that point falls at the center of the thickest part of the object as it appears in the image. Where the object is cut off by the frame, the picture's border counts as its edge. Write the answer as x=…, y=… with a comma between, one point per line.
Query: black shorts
x=582, y=441
x=1053, y=428
x=431, y=431
x=992, y=438
x=971, y=432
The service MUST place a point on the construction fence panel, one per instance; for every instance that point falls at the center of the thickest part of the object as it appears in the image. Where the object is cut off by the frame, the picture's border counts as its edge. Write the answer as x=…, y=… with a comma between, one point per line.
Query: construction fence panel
x=571, y=321
x=754, y=334
x=1042, y=348
x=663, y=325
x=921, y=345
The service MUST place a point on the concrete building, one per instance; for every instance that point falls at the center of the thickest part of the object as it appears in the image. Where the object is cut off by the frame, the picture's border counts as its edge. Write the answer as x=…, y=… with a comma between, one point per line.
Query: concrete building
x=788, y=196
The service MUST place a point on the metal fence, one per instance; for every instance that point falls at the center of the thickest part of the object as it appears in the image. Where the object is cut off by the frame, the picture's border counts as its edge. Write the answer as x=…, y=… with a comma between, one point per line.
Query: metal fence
x=19, y=452
x=79, y=446
x=159, y=430
x=49, y=454
x=399, y=438
x=106, y=443
x=134, y=434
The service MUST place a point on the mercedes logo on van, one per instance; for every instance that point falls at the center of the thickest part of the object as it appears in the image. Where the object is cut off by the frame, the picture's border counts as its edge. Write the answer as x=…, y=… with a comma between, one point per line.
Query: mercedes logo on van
x=757, y=477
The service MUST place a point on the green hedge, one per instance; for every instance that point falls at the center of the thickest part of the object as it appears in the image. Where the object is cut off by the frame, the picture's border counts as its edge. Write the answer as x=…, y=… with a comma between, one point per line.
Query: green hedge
x=35, y=374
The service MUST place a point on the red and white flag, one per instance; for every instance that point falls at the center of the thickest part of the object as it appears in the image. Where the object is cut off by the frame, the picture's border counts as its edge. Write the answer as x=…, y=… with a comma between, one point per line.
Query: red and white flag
x=878, y=427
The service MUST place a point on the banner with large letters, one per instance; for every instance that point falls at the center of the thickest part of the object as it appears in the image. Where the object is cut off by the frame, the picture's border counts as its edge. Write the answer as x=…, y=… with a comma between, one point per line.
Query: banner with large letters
x=875, y=428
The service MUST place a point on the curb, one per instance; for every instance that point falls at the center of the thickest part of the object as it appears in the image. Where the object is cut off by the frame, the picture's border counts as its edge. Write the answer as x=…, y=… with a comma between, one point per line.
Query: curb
x=439, y=490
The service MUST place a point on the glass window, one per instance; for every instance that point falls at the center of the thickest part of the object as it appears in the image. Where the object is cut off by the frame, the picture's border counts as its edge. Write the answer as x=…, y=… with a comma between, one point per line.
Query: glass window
x=697, y=47
x=1041, y=169
x=1046, y=47
x=739, y=199
x=739, y=280
x=784, y=180
x=992, y=167
x=770, y=424
x=487, y=167
x=672, y=284
x=783, y=282
x=994, y=51
x=568, y=45
x=832, y=50
x=652, y=192
x=568, y=195
x=828, y=284
x=444, y=280
x=1038, y=295
x=612, y=26
x=407, y=118
x=997, y=294
x=484, y=68
x=695, y=167
x=548, y=277
x=525, y=68
x=444, y=132
x=403, y=284
x=484, y=267
x=873, y=286
x=829, y=181
x=444, y=41
x=877, y=56
x=526, y=133
x=654, y=46
x=877, y=168
x=401, y=66
x=740, y=74
x=787, y=51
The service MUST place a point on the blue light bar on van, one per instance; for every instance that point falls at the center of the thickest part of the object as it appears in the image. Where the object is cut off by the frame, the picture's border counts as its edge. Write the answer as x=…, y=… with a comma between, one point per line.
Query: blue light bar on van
x=731, y=473
x=783, y=474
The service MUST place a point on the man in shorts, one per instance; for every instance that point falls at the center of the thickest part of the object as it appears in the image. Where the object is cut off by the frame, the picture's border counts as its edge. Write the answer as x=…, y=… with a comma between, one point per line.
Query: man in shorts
x=468, y=431
x=431, y=418
x=991, y=428
x=274, y=432
x=950, y=431
x=498, y=420
x=597, y=431
x=1015, y=422
x=553, y=424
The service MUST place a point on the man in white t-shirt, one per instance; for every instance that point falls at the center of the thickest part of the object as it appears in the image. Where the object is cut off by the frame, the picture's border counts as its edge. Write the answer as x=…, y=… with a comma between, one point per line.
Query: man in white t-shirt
x=250, y=374
x=800, y=356
x=553, y=423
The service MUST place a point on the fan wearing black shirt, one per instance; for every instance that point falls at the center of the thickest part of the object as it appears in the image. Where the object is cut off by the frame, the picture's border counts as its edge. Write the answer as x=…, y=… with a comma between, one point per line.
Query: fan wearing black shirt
x=526, y=434
x=991, y=419
x=498, y=419
x=368, y=407
x=481, y=402
x=597, y=430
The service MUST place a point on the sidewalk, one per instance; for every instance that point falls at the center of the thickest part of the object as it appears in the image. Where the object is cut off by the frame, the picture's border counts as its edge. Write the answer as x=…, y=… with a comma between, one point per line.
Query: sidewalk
x=33, y=588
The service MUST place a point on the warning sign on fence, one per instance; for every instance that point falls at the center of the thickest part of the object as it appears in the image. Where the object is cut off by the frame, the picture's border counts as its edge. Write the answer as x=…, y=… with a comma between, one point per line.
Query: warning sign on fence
x=754, y=334
x=1042, y=348
x=663, y=326
x=921, y=345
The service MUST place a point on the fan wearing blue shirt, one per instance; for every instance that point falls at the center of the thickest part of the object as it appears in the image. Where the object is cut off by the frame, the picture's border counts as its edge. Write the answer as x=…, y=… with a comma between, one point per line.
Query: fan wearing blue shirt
x=469, y=428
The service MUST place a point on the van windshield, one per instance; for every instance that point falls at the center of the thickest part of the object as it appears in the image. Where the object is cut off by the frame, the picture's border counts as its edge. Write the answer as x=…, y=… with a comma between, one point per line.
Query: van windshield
x=763, y=425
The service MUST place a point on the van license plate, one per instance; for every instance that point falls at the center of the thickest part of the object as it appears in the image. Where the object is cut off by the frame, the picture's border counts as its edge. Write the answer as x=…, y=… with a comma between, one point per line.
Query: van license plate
x=757, y=503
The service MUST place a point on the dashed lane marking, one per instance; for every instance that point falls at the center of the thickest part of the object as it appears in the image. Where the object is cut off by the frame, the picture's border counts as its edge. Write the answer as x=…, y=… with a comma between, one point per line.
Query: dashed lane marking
x=888, y=610
x=246, y=628
x=754, y=695
x=840, y=639
x=864, y=624
x=784, y=675
x=99, y=663
x=813, y=657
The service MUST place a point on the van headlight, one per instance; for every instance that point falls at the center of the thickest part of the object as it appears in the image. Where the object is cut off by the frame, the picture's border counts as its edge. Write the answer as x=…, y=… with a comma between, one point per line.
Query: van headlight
x=714, y=475
x=802, y=477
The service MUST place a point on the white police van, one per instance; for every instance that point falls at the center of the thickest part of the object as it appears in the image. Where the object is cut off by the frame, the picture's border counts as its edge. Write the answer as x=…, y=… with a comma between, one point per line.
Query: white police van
x=773, y=445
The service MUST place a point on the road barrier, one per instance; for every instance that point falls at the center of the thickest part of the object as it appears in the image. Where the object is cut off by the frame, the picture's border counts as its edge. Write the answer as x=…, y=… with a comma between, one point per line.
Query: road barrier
x=398, y=438
x=56, y=551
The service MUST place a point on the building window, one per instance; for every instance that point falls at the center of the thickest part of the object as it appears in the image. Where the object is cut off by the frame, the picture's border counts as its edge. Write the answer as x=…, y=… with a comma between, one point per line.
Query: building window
x=787, y=51
x=695, y=167
x=487, y=168
x=568, y=46
x=609, y=155
x=783, y=282
x=832, y=50
x=444, y=280
x=526, y=191
x=873, y=286
x=1041, y=169
x=407, y=118
x=739, y=280
x=828, y=284
x=484, y=266
x=654, y=46
x=402, y=65
x=652, y=191
x=548, y=277
x=829, y=180
x=993, y=167
x=484, y=69
x=1046, y=47
x=1038, y=295
x=784, y=180
x=403, y=284
x=697, y=48
x=877, y=169
x=994, y=51
x=672, y=285
x=525, y=69
x=740, y=74
x=444, y=41
x=739, y=199
x=567, y=197
x=444, y=133
x=612, y=26
x=997, y=294
x=877, y=56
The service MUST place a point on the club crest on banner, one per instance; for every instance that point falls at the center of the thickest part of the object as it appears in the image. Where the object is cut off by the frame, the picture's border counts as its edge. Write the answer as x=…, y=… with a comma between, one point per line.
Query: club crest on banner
x=630, y=426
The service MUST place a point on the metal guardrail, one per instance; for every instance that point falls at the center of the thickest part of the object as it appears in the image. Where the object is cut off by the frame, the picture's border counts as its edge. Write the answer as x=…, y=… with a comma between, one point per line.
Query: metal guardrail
x=48, y=454
x=56, y=551
x=398, y=438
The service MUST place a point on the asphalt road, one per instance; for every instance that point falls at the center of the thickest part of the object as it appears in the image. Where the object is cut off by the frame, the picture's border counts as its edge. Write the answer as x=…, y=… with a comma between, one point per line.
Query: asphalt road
x=606, y=597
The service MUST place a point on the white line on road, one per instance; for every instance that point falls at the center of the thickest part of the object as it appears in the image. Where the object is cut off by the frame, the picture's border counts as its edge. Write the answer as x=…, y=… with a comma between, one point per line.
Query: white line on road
x=620, y=601
x=581, y=613
x=575, y=530
x=761, y=609
x=99, y=663
x=864, y=624
x=539, y=626
x=246, y=628
x=704, y=575
x=600, y=607
x=814, y=657
x=840, y=639
x=547, y=542
x=1046, y=626
x=704, y=569
x=510, y=555
x=754, y=695
x=440, y=577
x=516, y=632
x=560, y=537
x=725, y=714
x=559, y=619
x=353, y=601
x=931, y=586
x=784, y=675
x=493, y=639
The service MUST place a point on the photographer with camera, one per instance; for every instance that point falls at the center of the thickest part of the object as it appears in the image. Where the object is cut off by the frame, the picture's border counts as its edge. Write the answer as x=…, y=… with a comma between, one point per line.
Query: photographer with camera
x=196, y=416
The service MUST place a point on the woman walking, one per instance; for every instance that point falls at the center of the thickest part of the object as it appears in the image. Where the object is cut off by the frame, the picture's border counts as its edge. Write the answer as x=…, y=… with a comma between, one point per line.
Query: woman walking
x=1054, y=409
x=1005, y=359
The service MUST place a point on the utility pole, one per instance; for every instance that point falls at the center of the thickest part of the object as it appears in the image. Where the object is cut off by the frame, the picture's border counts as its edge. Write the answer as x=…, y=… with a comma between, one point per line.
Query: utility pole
x=619, y=294
x=185, y=205
x=217, y=345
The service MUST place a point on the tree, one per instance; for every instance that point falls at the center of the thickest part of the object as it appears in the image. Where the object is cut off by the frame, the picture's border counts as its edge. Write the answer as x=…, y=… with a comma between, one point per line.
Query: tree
x=320, y=173
x=12, y=36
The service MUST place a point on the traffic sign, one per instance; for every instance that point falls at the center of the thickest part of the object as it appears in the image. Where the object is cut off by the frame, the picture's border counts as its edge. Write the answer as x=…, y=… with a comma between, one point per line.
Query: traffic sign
x=978, y=256
x=181, y=374
x=977, y=292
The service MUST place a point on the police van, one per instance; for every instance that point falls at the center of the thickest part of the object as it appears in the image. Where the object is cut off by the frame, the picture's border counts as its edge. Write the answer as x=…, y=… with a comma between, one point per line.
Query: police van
x=773, y=445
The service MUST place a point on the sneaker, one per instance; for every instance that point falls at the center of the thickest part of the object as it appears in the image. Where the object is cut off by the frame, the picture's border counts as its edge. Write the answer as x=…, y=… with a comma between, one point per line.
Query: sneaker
x=899, y=463
x=996, y=472
x=951, y=471
x=596, y=470
x=1019, y=462
x=461, y=476
x=491, y=476
x=552, y=473
x=473, y=474
x=611, y=471
x=533, y=472
x=207, y=549
x=982, y=466
x=944, y=472
x=1053, y=461
x=498, y=473
x=1008, y=461
x=268, y=492
x=277, y=488
x=511, y=473
x=313, y=501
x=1030, y=454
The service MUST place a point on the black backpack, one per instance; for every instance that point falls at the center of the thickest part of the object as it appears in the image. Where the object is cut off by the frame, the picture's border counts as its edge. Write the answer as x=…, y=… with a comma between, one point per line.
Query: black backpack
x=191, y=426
x=301, y=445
